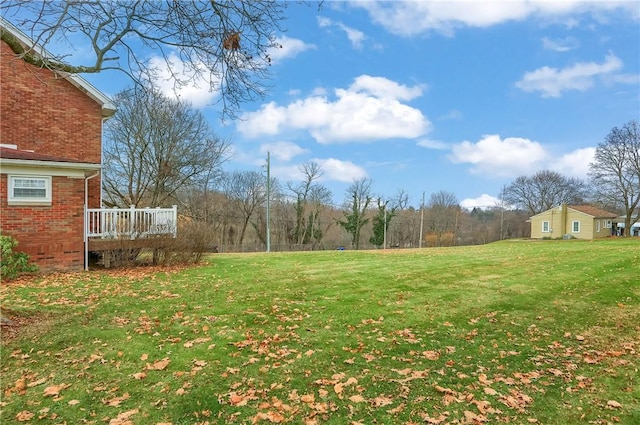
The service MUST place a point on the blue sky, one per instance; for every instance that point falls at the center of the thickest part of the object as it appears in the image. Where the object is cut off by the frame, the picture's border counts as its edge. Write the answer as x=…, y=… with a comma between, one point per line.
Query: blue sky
x=426, y=96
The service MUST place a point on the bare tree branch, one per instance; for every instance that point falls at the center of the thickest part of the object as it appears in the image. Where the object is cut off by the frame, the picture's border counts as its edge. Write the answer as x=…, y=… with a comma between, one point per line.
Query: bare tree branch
x=615, y=171
x=195, y=31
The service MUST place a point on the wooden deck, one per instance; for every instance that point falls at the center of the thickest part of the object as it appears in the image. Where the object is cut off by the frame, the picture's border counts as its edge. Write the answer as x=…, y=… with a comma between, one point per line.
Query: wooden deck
x=113, y=231
x=99, y=245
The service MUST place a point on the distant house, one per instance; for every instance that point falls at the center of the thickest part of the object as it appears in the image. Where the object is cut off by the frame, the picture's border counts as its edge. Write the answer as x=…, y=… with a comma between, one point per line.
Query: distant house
x=577, y=221
x=620, y=223
x=50, y=158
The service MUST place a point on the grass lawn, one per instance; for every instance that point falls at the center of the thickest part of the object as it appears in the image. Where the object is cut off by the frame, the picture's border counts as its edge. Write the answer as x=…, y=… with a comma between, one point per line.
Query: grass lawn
x=512, y=332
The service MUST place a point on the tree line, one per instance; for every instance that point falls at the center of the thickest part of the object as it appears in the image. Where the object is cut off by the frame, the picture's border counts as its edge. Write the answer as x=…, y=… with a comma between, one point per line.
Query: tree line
x=160, y=151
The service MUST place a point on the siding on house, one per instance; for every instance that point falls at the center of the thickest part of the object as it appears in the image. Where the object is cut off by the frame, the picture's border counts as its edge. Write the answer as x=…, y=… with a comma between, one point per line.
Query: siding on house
x=56, y=125
x=592, y=222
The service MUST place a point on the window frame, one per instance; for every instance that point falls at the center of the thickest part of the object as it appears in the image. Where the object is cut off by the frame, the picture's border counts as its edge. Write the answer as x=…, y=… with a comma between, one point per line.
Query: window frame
x=12, y=199
x=548, y=226
x=573, y=226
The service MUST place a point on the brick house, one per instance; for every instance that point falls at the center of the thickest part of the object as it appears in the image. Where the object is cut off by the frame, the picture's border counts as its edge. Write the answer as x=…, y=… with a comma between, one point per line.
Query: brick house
x=50, y=158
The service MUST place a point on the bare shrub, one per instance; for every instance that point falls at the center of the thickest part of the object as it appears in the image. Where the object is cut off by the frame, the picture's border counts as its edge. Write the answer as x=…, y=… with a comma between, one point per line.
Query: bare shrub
x=192, y=242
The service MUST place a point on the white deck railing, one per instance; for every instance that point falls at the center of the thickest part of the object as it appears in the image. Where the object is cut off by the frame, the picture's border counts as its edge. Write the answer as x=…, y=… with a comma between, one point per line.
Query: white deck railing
x=130, y=223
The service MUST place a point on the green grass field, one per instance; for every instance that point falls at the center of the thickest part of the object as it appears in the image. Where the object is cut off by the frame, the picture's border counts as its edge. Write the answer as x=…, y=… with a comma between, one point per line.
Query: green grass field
x=512, y=332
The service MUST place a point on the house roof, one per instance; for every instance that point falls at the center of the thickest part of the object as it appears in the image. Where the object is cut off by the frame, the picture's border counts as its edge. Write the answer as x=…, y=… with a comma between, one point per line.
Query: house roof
x=11, y=155
x=593, y=211
x=108, y=107
x=585, y=209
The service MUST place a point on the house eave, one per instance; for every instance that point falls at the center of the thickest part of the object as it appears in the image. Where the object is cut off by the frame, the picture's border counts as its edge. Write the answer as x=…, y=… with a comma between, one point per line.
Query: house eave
x=5, y=162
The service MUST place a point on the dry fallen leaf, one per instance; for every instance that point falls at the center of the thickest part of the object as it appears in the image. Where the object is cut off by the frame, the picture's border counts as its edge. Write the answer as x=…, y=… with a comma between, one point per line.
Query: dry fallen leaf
x=357, y=398
x=308, y=398
x=431, y=355
x=115, y=402
x=382, y=401
x=54, y=390
x=614, y=404
x=490, y=391
x=24, y=416
x=36, y=383
x=123, y=418
x=139, y=375
x=159, y=365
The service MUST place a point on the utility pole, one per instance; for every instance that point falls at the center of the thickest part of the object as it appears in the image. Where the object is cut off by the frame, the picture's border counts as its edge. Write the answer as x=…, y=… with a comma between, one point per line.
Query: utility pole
x=502, y=212
x=268, y=201
x=384, y=239
x=421, y=221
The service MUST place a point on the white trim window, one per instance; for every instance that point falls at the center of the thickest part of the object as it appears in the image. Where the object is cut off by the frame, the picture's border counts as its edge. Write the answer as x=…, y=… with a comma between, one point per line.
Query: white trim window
x=29, y=190
x=546, y=228
x=575, y=226
x=607, y=224
x=598, y=226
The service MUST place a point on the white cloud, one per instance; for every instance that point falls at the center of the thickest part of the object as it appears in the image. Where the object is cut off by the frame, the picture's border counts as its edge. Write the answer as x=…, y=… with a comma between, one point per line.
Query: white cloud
x=410, y=18
x=560, y=45
x=432, y=144
x=551, y=82
x=370, y=109
x=576, y=163
x=483, y=201
x=343, y=171
x=385, y=88
x=356, y=37
x=290, y=48
x=333, y=170
x=283, y=150
x=324, y=22
x=198, y=91
x=494, y=156
x=515, y=156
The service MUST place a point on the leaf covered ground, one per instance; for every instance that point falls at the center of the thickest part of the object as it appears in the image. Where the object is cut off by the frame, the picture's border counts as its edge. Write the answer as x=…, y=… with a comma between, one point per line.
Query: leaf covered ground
x=513, y=332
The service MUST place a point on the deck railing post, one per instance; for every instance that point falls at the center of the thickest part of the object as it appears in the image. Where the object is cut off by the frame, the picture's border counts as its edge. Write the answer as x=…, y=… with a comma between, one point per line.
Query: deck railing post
x=174, y=220
x=132, y=221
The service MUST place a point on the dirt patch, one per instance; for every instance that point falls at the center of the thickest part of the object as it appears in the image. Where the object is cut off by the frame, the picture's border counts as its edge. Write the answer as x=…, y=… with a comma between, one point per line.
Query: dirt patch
x=12, y=323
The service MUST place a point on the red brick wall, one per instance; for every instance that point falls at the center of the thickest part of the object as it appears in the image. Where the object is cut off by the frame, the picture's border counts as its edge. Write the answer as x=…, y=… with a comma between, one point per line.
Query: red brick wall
x=46, y=113
x=53, y=236
x=42, y=112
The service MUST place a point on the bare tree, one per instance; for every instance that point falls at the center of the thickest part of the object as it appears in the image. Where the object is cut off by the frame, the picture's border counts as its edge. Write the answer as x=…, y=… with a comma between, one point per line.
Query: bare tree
x=615, y=171
x=356, y=205
x=544, y=190
x=246, y=191
x=224, y=44
x=156, y=147
x=442, y=214
x=309, y=197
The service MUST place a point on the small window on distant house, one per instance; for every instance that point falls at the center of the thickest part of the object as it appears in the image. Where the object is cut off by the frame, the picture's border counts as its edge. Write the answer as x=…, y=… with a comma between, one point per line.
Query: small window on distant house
x=545, y=227
x=29, y=189
x=575, y=227
x=607, y=224
x=597, y=226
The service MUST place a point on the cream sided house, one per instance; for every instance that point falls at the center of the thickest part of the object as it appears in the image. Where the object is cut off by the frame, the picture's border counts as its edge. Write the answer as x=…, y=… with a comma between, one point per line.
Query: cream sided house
x=577, y=221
